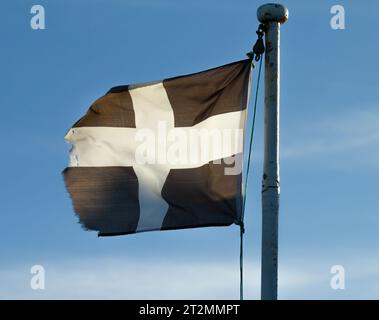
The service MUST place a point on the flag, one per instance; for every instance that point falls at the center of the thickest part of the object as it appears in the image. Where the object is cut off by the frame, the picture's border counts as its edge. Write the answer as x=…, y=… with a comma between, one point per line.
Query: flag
x=161, y=155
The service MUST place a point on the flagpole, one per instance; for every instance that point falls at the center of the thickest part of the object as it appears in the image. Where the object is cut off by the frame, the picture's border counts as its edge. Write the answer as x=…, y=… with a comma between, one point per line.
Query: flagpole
x=271, y=15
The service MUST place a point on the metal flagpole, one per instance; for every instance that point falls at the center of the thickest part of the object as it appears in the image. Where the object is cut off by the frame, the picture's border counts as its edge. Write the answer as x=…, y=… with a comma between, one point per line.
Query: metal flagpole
x=271, y=15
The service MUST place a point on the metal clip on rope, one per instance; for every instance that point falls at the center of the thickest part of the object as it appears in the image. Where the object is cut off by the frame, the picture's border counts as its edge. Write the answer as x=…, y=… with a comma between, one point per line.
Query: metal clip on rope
x=259, y=47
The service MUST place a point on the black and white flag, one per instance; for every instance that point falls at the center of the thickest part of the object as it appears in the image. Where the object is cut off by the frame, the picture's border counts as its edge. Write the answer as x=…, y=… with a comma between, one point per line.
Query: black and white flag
x=162, y=155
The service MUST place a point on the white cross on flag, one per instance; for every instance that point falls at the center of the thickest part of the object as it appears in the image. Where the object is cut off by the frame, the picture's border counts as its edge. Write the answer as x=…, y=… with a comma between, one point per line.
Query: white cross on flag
x=162, y=155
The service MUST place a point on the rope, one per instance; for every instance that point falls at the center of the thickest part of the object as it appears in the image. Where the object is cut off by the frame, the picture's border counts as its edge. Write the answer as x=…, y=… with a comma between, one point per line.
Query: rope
x=242, y=228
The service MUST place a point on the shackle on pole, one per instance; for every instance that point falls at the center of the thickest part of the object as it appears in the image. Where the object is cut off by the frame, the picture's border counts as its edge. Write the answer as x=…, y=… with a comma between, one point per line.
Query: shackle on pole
x=259, y=47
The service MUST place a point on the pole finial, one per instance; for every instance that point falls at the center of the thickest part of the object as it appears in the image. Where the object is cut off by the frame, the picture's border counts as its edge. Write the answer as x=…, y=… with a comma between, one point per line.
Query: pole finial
x=272, y=12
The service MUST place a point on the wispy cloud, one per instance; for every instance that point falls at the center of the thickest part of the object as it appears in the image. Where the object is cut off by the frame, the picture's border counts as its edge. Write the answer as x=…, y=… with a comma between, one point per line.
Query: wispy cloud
x=147, y=279
x=345, y=134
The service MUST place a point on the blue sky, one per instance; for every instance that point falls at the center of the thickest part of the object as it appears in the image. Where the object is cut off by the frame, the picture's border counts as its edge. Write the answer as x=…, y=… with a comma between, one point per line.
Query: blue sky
x=329, y=148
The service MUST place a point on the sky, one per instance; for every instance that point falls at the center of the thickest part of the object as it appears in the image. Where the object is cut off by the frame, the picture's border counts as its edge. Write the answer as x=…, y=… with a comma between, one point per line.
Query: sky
x=329, y=148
